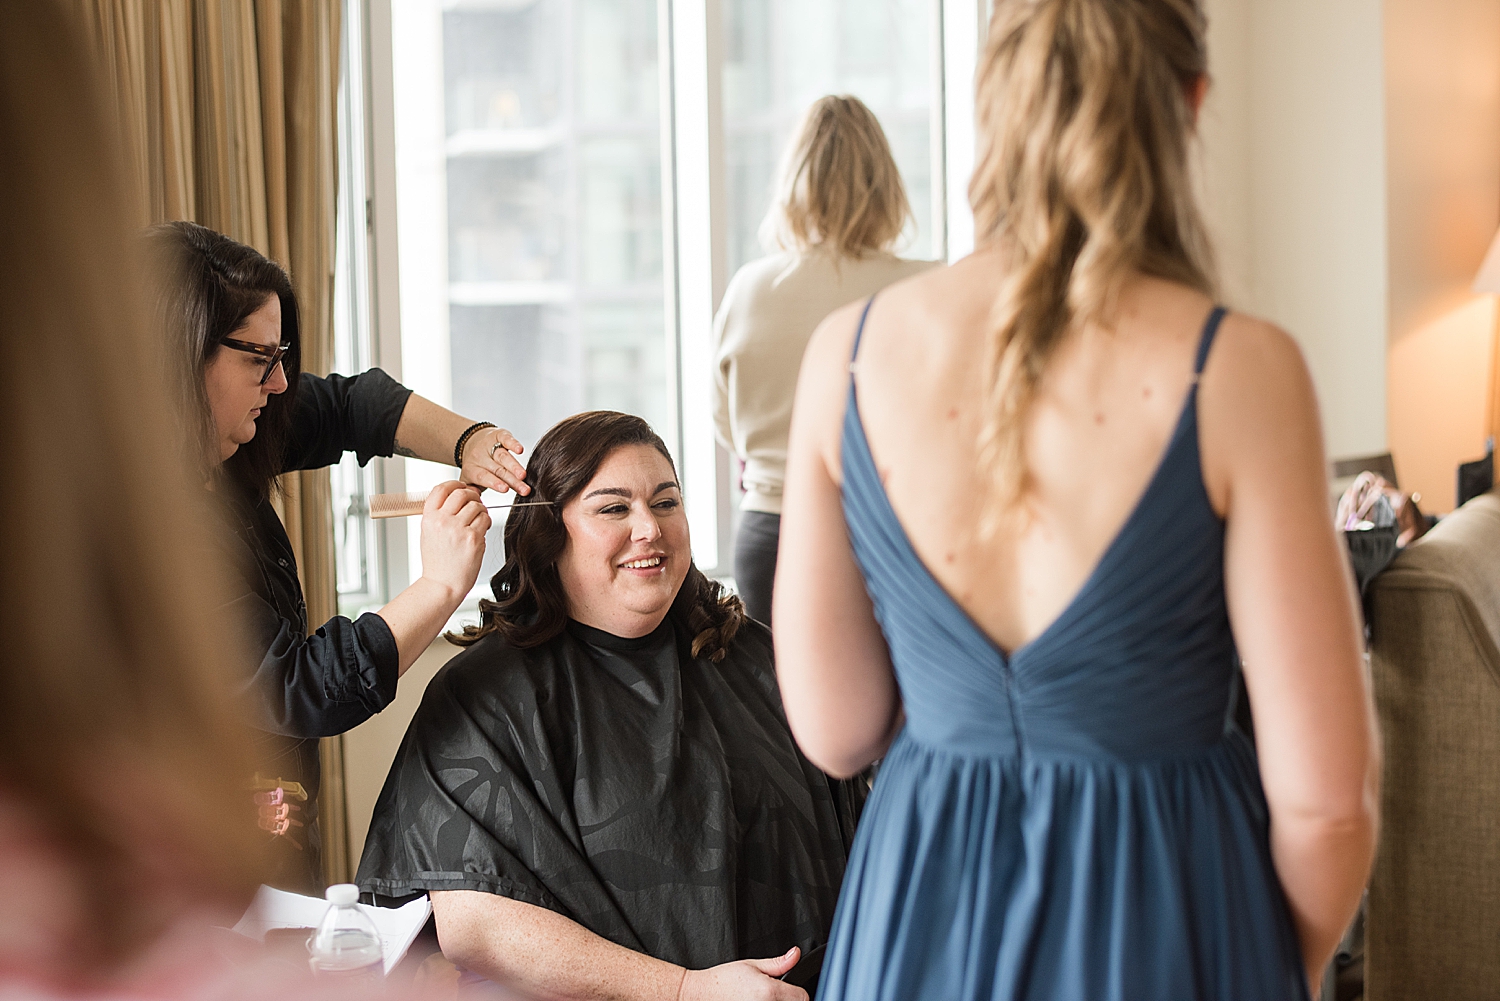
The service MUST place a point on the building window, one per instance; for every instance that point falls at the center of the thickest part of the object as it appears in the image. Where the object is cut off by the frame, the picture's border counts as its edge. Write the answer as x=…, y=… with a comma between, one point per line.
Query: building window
x=547, y=296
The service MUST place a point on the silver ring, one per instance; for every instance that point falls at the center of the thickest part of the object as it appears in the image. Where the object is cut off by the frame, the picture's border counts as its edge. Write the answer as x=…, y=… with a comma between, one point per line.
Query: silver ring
x=493, y=448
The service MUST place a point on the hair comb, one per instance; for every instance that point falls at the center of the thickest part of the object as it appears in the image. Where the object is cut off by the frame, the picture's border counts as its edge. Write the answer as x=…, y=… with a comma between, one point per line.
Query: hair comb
x=406, y=505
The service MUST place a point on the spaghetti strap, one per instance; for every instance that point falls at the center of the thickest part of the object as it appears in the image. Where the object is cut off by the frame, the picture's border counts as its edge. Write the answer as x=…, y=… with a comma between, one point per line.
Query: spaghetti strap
x=859, y=332
x=1210, y=329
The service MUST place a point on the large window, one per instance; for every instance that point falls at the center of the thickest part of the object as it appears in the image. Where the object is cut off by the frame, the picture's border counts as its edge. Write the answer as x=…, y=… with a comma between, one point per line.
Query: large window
x=575, y=180
x=554, y=210
x=531, y=136
x=781, y=55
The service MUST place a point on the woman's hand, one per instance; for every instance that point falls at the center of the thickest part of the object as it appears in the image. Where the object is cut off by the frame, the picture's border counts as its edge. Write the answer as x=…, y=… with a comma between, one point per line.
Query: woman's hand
x=746, y=980
x=490, y=461
x=539, y=953
x=454, y=522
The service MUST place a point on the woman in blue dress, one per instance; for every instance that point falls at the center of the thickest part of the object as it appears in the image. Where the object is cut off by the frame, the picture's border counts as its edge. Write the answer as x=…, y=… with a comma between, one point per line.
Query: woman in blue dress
x=1035, y=502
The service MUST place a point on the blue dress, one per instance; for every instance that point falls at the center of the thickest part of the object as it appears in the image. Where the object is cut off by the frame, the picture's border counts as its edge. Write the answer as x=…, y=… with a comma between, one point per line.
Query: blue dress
x=1079, y=820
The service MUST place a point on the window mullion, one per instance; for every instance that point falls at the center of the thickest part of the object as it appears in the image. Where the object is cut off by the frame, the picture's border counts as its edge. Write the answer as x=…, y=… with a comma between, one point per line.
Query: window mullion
x=385, y=299
x=938, y=142
x=697, y=55
x=964, y=24
x=671, y=314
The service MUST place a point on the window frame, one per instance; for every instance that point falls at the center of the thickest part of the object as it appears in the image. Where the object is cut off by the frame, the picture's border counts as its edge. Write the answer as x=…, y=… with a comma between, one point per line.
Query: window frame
x=364, y=227
x=694, y=234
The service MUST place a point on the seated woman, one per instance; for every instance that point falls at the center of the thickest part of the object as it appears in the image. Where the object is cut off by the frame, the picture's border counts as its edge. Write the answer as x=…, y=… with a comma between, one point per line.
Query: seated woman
x=601, y=792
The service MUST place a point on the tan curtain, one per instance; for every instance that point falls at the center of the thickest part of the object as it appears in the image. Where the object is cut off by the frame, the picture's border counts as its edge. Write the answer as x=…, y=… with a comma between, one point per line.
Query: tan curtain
x=228, y=111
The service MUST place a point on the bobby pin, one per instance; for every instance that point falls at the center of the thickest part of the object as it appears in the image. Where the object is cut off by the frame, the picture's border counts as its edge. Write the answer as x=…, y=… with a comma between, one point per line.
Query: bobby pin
x=406, y=505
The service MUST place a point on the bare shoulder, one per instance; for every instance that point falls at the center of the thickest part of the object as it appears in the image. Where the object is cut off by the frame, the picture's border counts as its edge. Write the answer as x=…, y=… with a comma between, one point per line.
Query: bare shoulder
x=822, y=385
x=1254, y=341
x=1257, y=367
x=1258, y=413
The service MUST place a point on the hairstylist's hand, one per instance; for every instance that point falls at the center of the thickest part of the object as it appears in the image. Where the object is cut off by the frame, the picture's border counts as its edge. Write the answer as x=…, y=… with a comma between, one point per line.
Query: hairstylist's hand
x=746, y=980
x=454, y=521
x=490, y=461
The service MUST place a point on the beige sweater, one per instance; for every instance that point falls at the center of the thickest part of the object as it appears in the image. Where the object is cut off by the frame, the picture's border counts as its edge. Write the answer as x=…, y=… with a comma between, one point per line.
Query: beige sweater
x=768, y=315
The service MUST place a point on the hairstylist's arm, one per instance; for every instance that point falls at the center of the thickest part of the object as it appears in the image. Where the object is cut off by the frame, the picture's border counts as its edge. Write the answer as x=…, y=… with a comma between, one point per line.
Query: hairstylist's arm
x=544, y=954
x=1292, y=604
x=428, y=431
x=453, y=525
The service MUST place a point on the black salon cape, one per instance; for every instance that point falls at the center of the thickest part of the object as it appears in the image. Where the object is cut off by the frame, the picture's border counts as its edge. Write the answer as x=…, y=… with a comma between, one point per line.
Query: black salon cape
x=309, y=686
x=655, y=799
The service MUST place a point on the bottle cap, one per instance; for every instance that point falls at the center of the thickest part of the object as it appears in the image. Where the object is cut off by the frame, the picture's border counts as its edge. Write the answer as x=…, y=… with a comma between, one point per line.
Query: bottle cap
x=342, y=894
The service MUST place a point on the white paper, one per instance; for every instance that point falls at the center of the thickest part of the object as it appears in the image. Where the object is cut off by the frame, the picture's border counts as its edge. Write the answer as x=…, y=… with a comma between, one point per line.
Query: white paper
x=398, y=926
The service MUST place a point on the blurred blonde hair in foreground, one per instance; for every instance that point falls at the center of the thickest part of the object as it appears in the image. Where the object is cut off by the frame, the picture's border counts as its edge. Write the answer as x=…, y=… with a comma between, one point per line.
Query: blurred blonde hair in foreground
x=839, y=187
x=122, y=805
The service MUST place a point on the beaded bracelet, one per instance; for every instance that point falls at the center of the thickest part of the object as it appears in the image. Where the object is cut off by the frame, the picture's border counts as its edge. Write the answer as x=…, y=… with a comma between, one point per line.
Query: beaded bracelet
x=463, y=439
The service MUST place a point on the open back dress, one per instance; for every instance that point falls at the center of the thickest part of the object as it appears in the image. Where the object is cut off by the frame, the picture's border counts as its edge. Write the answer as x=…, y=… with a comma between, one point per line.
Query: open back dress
x=1079, y=819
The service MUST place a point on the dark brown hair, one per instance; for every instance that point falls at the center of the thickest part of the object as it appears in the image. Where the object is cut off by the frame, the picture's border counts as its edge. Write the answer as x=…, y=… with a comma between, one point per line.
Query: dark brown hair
x=530, y=607
x=117, y=739
x=206, y=286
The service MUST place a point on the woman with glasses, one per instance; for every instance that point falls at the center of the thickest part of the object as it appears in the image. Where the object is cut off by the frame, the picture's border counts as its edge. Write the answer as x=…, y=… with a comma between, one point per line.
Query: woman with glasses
x=231, y=317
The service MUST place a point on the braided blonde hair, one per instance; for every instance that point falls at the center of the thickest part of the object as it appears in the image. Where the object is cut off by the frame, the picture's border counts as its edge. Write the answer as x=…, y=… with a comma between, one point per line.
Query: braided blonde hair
x=1082, y=180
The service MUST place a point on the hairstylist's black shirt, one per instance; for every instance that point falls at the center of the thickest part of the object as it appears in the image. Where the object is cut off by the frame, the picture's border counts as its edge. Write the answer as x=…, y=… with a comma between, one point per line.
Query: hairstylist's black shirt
x=319, y=685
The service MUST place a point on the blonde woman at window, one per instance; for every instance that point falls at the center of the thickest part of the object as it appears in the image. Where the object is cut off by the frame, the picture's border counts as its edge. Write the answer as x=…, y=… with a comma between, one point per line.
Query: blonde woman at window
x=1035, y=502
x=840, y=207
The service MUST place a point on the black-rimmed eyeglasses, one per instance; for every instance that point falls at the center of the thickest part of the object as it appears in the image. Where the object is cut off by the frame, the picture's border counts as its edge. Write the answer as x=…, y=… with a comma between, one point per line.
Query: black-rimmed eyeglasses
x=272, y=354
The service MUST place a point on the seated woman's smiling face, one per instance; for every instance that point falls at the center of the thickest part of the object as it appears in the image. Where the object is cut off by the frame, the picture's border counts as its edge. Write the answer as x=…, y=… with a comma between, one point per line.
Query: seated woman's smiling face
x=628, y=550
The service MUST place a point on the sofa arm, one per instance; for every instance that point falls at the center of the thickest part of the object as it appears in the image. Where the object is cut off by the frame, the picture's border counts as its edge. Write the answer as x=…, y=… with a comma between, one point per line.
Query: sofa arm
x=1434, y=902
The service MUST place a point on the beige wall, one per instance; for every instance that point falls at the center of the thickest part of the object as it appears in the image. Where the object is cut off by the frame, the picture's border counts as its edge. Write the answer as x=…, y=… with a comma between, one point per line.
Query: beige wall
x=1443, y=124
x=1351, y=176
x=1294, y=173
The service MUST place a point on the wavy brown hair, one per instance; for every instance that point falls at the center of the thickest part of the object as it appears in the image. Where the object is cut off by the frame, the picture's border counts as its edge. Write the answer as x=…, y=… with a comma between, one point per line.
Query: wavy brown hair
x=839, y=186
x=530, y=606
x=1082, y=180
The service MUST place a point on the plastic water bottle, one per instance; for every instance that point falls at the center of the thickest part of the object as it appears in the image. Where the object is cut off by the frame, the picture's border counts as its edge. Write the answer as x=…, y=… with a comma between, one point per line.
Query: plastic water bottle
x=346, y=944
